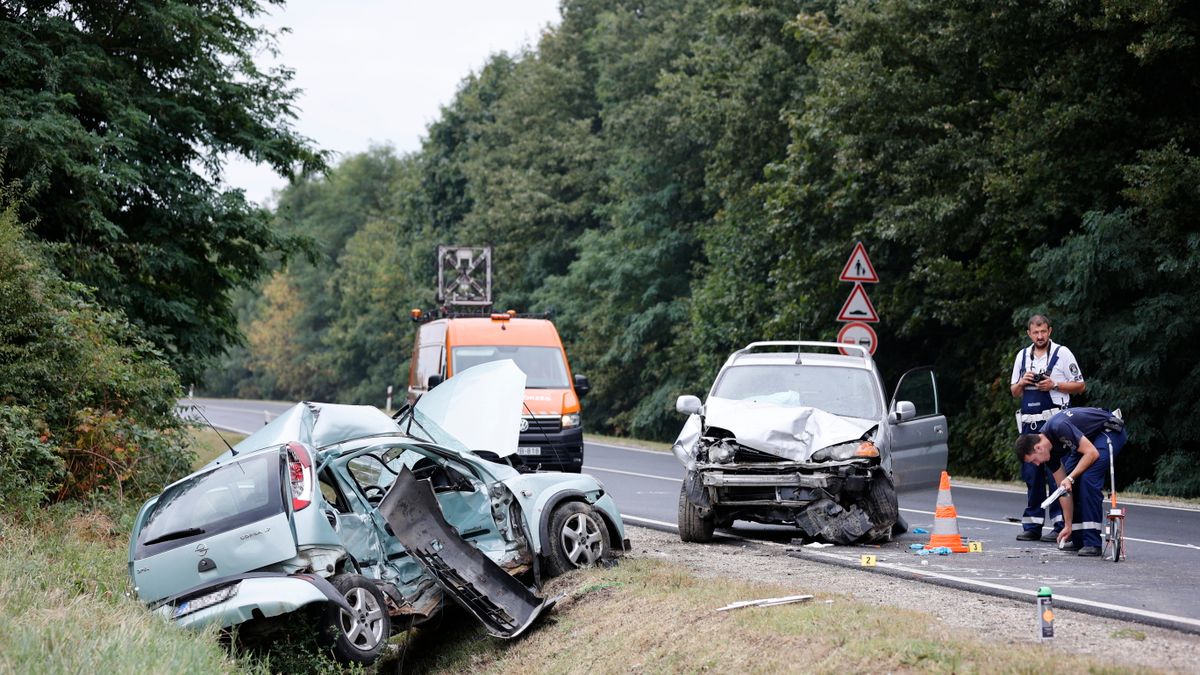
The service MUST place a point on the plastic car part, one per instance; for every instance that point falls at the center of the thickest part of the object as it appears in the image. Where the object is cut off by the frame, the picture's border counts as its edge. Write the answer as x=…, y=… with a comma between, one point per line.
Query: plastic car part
x=826, y=519
x=578, y=538
x=357, y=635
x=504, y=605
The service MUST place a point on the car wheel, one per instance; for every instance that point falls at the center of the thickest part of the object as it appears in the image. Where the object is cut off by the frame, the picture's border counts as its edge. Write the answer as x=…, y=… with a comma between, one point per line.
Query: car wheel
x=358, y=636
x=578, y=538
x=693, y=527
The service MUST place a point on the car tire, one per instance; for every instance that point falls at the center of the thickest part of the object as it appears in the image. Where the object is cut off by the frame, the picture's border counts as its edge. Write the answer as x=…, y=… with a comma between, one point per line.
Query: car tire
x=693, y=527
x=578, y=538
x=359, y=637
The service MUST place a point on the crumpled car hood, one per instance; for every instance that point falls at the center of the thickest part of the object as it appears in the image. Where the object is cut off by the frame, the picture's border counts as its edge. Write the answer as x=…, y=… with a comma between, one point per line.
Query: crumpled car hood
x=791, y=432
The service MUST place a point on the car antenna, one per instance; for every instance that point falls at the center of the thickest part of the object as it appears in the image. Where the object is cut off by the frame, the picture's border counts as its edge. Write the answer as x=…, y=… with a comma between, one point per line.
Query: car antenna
x=232, y=452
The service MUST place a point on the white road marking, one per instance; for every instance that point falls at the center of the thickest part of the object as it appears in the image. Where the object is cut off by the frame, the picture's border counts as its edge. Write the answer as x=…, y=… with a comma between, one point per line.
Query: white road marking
x=919, y=572
x=632, y=473
x=1005, y=522
x=660, y=453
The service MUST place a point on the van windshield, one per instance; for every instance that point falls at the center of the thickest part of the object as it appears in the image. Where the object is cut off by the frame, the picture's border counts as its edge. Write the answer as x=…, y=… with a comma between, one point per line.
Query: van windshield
x=543, y=366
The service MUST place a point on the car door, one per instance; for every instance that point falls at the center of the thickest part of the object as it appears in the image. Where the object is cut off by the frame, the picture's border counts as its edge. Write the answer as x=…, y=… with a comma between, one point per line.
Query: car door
x=918, y=443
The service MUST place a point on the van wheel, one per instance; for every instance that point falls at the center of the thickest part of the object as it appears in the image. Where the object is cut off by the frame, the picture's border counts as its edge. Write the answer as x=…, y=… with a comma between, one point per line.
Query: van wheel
x=358, y=636
x=692, y=526
x=578, y=538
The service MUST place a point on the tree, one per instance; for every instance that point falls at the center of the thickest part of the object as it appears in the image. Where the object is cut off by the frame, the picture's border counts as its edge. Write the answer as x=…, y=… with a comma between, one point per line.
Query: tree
x=116, y=118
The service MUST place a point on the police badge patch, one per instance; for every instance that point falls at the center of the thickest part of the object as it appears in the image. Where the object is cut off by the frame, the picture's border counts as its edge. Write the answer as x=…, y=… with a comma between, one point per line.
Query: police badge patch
x=1075, y=369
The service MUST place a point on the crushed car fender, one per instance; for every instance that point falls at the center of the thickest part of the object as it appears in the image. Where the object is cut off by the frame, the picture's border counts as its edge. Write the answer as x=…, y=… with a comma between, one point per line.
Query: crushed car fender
x=504, y=605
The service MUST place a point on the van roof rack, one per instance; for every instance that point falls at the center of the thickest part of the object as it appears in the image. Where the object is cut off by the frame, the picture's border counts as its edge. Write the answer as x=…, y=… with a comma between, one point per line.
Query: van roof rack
x=422, y=316
x=775, y=345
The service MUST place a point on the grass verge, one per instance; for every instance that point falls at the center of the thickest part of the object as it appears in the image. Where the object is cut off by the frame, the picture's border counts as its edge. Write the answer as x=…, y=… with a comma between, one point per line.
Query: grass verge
x=207, y=444
x=628, y=442
x=650, y=616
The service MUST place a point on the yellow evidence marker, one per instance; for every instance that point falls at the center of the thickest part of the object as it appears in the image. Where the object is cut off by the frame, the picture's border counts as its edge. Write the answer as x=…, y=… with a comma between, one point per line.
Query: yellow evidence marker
x=867, y=561
x=975, y=546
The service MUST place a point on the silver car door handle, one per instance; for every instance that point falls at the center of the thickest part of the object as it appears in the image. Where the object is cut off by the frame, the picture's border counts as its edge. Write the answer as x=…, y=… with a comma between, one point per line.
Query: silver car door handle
x=938, y=429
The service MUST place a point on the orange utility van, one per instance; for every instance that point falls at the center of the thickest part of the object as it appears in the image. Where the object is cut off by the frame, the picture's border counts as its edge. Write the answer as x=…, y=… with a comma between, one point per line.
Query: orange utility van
x=551, y=426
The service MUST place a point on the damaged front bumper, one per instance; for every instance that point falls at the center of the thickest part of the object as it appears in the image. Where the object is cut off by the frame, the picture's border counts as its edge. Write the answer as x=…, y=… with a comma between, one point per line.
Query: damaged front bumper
x=502, y=603
x=841, y=503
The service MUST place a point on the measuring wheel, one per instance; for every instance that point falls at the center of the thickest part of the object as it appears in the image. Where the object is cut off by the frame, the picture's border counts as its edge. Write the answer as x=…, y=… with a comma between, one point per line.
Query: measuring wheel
x=1114, y=534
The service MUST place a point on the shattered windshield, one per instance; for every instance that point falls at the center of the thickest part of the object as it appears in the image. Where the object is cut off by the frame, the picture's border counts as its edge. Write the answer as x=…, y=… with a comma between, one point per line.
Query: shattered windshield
x=543, y=366
x=848, y=392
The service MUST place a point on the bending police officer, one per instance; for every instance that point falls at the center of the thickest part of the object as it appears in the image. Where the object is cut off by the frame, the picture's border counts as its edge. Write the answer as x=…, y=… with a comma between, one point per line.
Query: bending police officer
x=1077, y=445
x=1044, y=377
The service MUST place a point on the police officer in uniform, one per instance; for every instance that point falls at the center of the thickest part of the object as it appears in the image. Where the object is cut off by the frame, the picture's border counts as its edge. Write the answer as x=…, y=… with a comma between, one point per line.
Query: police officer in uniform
x=1045, y=375
x=1077, y=445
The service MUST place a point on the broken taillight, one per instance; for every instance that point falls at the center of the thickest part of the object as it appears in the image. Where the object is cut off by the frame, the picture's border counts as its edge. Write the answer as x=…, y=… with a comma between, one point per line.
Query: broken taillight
x=299, y=475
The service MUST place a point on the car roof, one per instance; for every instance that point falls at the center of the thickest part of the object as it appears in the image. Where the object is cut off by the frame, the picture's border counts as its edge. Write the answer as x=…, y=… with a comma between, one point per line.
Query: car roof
x=507, y=332
x=806, y=353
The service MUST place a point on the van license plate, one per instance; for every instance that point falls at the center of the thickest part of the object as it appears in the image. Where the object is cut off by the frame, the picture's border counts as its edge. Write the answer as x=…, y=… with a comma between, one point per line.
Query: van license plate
x=528, y=450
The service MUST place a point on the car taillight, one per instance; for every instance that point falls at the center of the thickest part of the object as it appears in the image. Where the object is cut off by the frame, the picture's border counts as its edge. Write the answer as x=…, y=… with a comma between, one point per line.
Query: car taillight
x=299, y=475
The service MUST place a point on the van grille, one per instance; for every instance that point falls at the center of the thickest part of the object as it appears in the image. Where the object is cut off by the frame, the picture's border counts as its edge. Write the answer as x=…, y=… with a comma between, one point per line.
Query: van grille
x=539, y=425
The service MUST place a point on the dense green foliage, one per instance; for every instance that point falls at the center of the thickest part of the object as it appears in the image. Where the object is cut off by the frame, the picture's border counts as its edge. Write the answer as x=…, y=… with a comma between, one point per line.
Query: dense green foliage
x=86, y=405
x=116, y=118
x=677, y=178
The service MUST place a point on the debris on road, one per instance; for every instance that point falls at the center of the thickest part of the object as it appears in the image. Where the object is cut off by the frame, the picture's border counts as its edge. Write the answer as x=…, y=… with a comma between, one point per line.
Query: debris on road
x=767, y=602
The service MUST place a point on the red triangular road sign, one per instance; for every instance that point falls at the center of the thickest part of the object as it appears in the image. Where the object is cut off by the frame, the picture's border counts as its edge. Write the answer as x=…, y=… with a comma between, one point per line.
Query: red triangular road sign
x=859, y=267
x=858, y=307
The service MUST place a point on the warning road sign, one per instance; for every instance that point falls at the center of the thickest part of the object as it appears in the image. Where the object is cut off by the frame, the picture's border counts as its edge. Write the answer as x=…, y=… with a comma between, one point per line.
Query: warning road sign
x=857, y=334
x=859, y=268
x=858, y=307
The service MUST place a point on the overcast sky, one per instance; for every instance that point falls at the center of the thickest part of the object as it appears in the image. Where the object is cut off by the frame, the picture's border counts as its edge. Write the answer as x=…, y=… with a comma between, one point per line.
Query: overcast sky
x=377, y=71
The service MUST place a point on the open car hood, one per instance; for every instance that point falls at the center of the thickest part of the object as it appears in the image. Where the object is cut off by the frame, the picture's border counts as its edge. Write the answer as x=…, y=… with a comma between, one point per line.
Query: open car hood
x=477, y=409
x=791, y=432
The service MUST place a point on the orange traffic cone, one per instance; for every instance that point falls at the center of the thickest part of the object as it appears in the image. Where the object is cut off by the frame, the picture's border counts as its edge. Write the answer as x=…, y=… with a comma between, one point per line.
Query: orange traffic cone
x=945, y=521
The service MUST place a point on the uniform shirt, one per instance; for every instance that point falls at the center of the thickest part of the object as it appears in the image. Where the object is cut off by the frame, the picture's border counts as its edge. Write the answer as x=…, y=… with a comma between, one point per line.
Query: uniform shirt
x=1066, y=369
x=1069, y=426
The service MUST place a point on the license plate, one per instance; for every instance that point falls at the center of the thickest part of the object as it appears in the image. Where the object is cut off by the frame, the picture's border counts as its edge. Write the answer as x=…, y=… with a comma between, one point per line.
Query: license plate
x=522, y=450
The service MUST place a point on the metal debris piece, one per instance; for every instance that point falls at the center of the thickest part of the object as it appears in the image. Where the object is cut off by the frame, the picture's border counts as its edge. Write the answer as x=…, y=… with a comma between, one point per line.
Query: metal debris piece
x=767, y=602
x=817, y=544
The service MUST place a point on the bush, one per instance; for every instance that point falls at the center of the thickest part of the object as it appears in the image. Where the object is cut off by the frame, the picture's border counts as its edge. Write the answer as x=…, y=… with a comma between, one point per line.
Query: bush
x=86, y=405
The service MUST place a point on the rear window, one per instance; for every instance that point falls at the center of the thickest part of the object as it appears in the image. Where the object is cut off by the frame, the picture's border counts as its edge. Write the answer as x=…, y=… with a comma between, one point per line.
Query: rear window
x=849, y=392
x=544, y=367
x=231, y=496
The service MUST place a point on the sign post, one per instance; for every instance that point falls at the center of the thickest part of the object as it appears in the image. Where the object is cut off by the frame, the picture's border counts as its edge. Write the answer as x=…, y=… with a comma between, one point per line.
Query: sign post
x=858, y=312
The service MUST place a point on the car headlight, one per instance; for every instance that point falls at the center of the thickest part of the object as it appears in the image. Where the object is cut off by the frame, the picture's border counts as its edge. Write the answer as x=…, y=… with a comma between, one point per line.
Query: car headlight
x=844, y=451
x=571, y=421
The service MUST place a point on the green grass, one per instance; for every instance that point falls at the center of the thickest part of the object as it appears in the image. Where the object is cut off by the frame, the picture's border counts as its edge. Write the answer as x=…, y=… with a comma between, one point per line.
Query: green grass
x=628, y=442
x=208, y=445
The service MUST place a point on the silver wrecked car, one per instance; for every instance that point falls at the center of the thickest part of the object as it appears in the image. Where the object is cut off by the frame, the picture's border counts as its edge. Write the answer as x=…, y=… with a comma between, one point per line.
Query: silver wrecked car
x=340, y=520
x=796, y=433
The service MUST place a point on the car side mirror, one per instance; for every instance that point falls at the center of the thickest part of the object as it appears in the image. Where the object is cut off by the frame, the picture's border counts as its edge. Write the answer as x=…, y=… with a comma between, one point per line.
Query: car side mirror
x=581, y=385
x=435, y=380
x=689, y=405
x=904, y=410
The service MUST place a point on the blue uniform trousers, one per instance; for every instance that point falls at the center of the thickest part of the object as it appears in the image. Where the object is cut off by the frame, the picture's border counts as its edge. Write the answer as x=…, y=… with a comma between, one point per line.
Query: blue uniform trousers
x=1039, y=482
x=1088, y=491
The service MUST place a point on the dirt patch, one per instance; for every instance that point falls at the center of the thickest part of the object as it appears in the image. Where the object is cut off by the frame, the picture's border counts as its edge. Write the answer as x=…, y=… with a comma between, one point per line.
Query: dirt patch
x=94, y=527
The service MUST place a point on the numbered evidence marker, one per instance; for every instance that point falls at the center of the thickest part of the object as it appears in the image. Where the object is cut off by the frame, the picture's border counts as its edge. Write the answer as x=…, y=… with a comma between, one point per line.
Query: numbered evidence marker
x=975, y=546
x=867, y=561
x=857, y=334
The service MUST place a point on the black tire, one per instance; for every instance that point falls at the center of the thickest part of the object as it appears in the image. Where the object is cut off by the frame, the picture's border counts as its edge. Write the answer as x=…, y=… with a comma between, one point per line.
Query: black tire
x=1118, y=541
x=358, y=637
x=692, y=526
x=578, y=538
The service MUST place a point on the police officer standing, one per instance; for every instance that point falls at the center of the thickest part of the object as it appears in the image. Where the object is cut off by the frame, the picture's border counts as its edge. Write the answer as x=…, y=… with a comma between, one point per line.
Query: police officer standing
x=1045, y=375
x=1077, y=445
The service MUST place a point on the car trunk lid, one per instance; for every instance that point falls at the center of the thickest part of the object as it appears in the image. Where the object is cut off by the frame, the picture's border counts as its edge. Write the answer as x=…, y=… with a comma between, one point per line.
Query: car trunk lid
x=219, y=523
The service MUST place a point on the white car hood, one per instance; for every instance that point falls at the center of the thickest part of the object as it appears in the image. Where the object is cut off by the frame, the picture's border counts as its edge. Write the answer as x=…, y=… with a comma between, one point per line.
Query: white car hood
x=791, y=432
x=480, y=408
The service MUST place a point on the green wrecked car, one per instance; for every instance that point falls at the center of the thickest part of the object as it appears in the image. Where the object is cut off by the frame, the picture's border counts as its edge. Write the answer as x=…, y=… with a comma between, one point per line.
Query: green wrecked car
x=341, y=520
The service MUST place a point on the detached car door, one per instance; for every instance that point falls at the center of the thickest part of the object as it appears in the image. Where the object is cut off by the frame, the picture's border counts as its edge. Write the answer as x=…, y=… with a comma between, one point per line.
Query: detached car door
x=918, y=443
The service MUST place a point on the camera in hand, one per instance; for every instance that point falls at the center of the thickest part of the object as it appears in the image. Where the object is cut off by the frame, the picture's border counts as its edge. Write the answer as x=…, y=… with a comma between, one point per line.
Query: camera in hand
x=1038, y=377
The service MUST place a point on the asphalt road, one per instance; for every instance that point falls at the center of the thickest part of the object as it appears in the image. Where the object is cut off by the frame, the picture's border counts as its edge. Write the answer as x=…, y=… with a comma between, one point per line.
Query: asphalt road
x=1155, y=585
